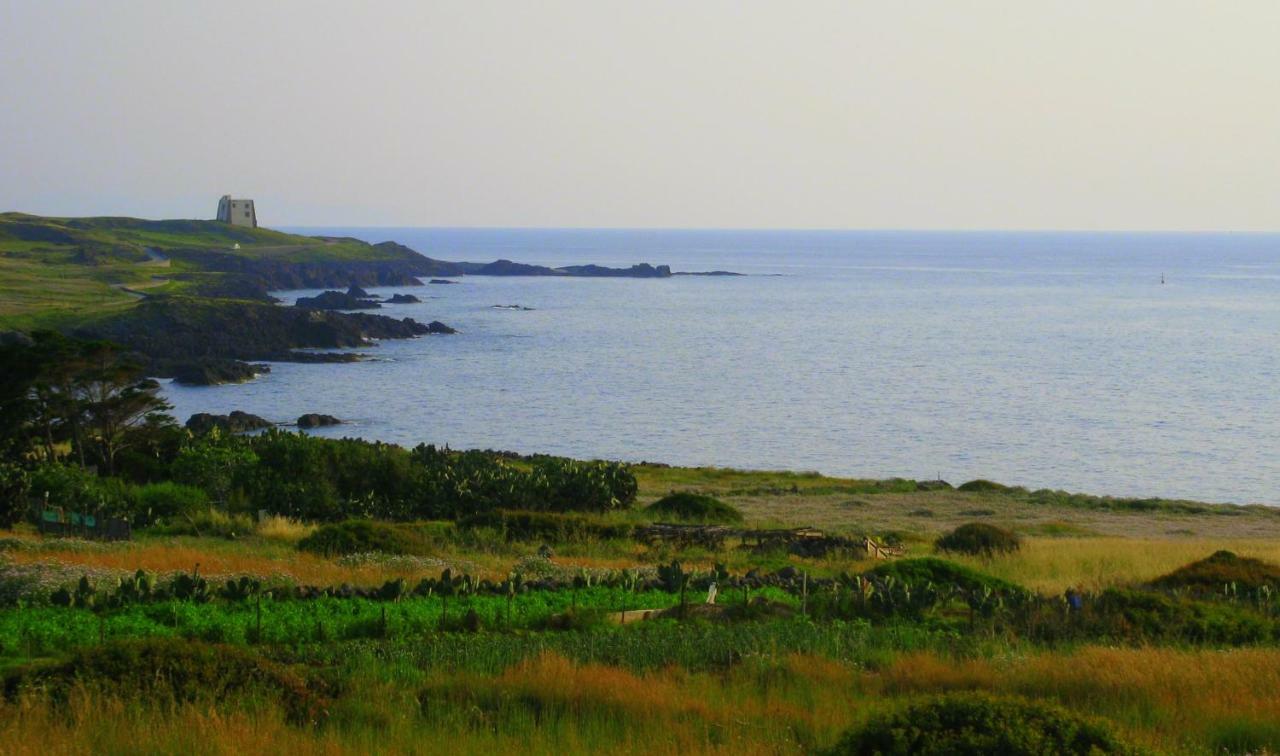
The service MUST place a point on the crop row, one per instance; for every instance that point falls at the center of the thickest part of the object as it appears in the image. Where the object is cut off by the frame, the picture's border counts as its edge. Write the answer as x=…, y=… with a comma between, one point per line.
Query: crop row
x=37, y=631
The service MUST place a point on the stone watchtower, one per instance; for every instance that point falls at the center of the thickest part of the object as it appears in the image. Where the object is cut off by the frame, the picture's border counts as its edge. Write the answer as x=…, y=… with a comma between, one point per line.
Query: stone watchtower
x=237, y=212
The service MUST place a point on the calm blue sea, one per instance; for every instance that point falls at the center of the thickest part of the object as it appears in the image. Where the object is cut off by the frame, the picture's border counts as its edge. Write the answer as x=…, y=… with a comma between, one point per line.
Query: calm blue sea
x=1042, y=359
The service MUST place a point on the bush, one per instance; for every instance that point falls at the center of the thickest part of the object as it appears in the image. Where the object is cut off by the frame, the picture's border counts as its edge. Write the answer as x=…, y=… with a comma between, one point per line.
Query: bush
x=78, y=490
x=216, y=464
x=362, y=536
x=1223, y=568
x=685, y=505
x=209, y=522
x=976, y=723
x=941, y=572
x=164, y=500
x=567, y=485
x=979, y=538
x=15, y=482
x=545, y=526
x=1141, y=617
x=983, y=486
x=168, y=670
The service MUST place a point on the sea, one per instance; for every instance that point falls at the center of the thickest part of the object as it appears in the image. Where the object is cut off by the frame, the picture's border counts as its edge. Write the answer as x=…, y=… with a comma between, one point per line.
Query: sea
x=1127, y=364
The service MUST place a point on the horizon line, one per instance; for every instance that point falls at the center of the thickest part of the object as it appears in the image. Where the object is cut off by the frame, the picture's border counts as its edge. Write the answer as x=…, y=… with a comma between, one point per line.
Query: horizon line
x=806, y=229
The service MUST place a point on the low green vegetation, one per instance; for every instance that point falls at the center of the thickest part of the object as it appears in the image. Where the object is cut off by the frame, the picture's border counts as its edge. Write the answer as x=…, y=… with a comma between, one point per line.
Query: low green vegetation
x=363, y=536
x=978, y=538
x=1224, y=573
x=166, y=671
x=980, y=724
x=549, y=527
x=694, y=507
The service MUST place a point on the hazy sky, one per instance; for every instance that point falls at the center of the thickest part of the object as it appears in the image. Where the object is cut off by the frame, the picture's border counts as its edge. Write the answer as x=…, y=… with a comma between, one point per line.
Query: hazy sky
x=894, y=114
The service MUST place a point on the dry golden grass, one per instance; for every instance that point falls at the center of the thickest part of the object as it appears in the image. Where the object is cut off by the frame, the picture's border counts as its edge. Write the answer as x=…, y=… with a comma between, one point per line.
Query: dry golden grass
x=1046, y=565
x=283, y=529
x=1161, y=696
x=1171, y=701
x=1051, y=565
x=293, y=566
x=666, y=711
x=103, y=725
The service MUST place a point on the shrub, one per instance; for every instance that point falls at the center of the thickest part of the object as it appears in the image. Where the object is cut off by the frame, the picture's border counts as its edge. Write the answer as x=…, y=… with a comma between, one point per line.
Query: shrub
x=685, y=505
x=168, y=670
x=361, y=536
x=1221, y=569
x=978, y=538
x=1142, y=616
x=976, y=723
x=545, y=526
x=15, y=482
x=164, y=500
x=216, y=464
x=277, y=528
x=983, y=486
x=78, y=490
x=941, y=572
x=207, y=522
x=568, y=485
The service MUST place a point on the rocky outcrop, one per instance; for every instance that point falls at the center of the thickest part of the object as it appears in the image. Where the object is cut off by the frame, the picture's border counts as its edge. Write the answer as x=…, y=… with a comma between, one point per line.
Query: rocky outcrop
x=441, y=281
x=315, y=420
x=509, y=268
x=237, y=422
x=403, y=299
x=357, y=293
x=336, y=300
x=643, y=270
x=174, y=330
x=215, y=371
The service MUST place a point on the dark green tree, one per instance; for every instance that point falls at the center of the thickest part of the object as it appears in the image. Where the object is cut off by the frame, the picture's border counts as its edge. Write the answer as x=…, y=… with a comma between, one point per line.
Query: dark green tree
x=116, y=399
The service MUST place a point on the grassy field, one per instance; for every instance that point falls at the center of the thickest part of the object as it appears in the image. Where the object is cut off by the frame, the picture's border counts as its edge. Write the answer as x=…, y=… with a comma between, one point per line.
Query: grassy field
x=393, y=681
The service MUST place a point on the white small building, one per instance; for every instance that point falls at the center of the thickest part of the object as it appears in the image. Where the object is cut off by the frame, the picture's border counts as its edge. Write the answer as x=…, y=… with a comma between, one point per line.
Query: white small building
x=237, y=212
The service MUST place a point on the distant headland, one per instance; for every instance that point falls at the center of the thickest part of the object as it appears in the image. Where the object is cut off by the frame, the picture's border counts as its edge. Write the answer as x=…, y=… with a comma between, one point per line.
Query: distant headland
x=192, y=297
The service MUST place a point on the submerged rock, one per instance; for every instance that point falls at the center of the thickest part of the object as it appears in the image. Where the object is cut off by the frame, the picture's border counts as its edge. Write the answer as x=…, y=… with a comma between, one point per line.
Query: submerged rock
x=441, y=281
x=403, y=299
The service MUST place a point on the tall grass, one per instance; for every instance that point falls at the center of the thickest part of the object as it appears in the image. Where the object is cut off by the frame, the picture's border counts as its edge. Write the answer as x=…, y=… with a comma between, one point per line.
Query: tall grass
x=1163, y=694
x=1171, y=701
x=283, y=529
x=1051, y=565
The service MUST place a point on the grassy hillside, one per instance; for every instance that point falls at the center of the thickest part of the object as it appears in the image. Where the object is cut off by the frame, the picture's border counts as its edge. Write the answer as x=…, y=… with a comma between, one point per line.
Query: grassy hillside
x=56, y=272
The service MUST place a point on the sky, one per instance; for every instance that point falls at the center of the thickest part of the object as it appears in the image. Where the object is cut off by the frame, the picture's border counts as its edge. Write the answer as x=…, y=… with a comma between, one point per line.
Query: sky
x=1160, y=115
